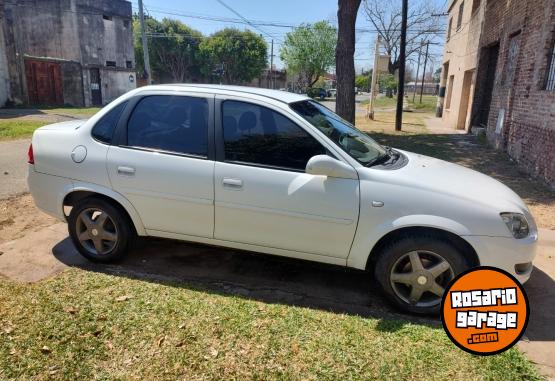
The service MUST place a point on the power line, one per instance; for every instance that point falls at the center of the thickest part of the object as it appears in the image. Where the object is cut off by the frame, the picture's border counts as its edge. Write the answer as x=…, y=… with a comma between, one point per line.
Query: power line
x=258, y=23
x=243, y=18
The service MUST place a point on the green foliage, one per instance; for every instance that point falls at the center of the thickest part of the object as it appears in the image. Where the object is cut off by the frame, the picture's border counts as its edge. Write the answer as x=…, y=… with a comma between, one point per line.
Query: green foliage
x=362, y=82
x=173, y=49
x=309, y=51
x=11, y=129
x=388, y=82
x=243, y=55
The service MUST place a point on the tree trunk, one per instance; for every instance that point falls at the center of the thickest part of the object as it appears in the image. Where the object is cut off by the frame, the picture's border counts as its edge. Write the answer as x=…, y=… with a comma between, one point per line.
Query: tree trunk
x=344, y=59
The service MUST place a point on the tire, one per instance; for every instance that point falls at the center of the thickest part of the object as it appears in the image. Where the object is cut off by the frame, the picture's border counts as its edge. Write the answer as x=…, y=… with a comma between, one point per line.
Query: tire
x=414, y=288
x=100, y=231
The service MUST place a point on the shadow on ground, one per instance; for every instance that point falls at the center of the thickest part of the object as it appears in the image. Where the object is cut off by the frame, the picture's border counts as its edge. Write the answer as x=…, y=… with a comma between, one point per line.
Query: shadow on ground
x=10, y=113
x=272, y=279
x=253, y=276
x=541, y=294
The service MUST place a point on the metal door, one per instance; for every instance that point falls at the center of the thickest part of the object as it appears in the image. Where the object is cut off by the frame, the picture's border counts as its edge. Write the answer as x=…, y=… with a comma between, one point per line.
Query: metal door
x=96, y=93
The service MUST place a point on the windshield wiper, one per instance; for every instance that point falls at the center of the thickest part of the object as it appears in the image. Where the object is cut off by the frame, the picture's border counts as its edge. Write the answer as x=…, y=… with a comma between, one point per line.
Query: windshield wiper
x=386, y=157
x=379, y=160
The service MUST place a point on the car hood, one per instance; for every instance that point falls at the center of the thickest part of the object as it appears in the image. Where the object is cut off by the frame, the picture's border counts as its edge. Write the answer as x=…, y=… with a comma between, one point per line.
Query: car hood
x=441, y=177
x=67, y=125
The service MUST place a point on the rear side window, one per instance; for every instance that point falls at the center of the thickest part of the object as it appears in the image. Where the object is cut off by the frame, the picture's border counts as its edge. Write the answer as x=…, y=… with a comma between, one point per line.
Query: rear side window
x=258, y=135
x=170, y=123
x=104, y=128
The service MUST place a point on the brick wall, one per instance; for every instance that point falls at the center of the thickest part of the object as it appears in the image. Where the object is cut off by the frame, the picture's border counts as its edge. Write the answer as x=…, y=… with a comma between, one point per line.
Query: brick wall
x=525, y=32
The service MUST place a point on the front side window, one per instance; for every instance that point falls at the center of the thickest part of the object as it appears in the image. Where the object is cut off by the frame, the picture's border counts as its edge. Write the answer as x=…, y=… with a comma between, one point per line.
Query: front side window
x=550, y=78
x=177, y=124
x=354, y=142
x=105, y=127
x=258, y=135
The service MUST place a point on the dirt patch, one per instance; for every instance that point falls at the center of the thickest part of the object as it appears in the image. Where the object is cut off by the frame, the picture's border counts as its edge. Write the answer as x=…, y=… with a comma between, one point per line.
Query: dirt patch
x=19, y=216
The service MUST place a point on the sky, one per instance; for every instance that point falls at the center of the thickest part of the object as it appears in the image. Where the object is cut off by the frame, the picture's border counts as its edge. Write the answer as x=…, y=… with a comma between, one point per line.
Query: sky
x=283, y=12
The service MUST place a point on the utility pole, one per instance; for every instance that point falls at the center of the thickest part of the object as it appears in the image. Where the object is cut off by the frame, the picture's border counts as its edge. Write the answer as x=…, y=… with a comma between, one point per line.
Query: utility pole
x=402, y=63
x=271, y=82
x=417, y=70
x=424, y=72
x=374, y=78
x=145, y=45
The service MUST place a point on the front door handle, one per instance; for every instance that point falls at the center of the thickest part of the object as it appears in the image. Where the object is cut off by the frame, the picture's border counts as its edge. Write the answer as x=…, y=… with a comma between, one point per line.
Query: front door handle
x=235, y=184
x=127, y=171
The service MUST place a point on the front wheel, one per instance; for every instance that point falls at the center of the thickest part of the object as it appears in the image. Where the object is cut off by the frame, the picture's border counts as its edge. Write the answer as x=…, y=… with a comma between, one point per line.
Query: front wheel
x=99, y=230
x=414, y=272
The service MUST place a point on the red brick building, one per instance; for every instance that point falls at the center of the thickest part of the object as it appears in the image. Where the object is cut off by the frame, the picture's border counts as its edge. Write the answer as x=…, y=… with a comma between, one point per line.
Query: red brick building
x=515, y=83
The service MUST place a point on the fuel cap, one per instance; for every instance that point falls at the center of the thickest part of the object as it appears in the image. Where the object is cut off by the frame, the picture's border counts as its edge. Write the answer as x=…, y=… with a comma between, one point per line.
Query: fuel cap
x=79, y=154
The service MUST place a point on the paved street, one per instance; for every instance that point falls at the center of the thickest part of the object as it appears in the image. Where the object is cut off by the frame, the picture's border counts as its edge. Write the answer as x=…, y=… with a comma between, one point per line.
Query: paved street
x=13, y=167
x=360, y=110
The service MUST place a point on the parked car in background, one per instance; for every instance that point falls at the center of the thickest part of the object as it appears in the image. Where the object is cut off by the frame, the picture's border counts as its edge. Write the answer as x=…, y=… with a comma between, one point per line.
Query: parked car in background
x=332, y=93
x=317, y=92
x=277, y=173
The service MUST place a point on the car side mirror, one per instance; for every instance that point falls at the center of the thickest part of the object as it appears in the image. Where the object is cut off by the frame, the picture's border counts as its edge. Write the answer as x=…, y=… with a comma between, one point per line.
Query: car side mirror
x=324, y=165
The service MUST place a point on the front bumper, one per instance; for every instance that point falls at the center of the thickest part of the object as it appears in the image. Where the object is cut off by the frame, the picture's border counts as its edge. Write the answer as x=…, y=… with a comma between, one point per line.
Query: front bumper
x=512, y=255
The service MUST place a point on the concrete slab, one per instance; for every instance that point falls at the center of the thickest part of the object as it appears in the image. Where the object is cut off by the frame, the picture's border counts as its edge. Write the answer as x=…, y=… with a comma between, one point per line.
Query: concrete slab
x=13, y=167
x=539, y=339
x=30, y=259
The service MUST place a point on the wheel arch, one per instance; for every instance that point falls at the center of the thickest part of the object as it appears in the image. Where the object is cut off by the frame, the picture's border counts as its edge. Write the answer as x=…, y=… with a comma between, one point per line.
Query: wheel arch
x=81, y=191
x=456, y=240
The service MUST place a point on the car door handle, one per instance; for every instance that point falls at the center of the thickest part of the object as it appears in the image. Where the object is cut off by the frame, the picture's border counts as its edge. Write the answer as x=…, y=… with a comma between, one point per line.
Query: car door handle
x=232, y=183
x=127, y=171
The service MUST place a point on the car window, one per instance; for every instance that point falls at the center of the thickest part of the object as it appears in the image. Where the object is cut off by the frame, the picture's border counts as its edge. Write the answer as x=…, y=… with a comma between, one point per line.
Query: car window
x=257, y=135
x=170, y=123
x=353, y=141
x=104, y=128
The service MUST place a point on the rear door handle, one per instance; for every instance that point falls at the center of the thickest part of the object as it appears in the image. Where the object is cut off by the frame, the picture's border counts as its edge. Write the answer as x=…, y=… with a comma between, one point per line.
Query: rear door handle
x=127, y=171
x=235, y=184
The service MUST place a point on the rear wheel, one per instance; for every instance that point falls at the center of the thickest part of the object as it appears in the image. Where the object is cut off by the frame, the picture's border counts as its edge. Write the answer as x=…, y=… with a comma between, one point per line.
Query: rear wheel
x=414, y=272
x=100, y=231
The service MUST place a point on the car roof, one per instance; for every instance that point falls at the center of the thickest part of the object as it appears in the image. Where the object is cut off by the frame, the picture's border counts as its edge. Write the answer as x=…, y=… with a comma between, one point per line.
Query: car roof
x=282, y=96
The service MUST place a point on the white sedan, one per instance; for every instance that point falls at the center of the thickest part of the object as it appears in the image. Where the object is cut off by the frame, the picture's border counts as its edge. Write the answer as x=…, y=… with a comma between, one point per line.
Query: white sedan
x=278, y=173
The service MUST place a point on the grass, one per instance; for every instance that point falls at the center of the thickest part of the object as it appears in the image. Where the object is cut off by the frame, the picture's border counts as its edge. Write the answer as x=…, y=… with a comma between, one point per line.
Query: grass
x=12, y=129
x=67, y=110
x=77, y=111
x=384, y=122
x=428, y=103
x=85, y=325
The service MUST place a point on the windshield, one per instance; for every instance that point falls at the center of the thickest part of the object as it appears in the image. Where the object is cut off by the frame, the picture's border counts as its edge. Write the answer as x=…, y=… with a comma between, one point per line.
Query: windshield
x=356, y=143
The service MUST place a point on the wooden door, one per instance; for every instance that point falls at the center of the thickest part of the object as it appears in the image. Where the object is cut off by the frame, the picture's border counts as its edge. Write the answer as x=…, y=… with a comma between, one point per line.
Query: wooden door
x=44, y=82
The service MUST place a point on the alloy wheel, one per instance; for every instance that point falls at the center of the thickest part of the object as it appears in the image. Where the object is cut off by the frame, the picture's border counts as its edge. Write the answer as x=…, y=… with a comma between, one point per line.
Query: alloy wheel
x=420, y=277
x=96, y=231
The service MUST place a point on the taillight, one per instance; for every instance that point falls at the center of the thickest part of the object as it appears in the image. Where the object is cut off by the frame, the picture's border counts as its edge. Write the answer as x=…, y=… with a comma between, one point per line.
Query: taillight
x=30, y=156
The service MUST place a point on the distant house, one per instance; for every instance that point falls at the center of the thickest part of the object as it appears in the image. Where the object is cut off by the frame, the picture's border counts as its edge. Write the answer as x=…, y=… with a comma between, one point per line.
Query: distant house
x=57, y=52
x=499, y=73
x=430, y=88
x=271, y=79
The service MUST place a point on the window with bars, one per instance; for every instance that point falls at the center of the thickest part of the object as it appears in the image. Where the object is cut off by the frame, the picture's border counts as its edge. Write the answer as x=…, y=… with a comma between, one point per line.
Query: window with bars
x=550, y=78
